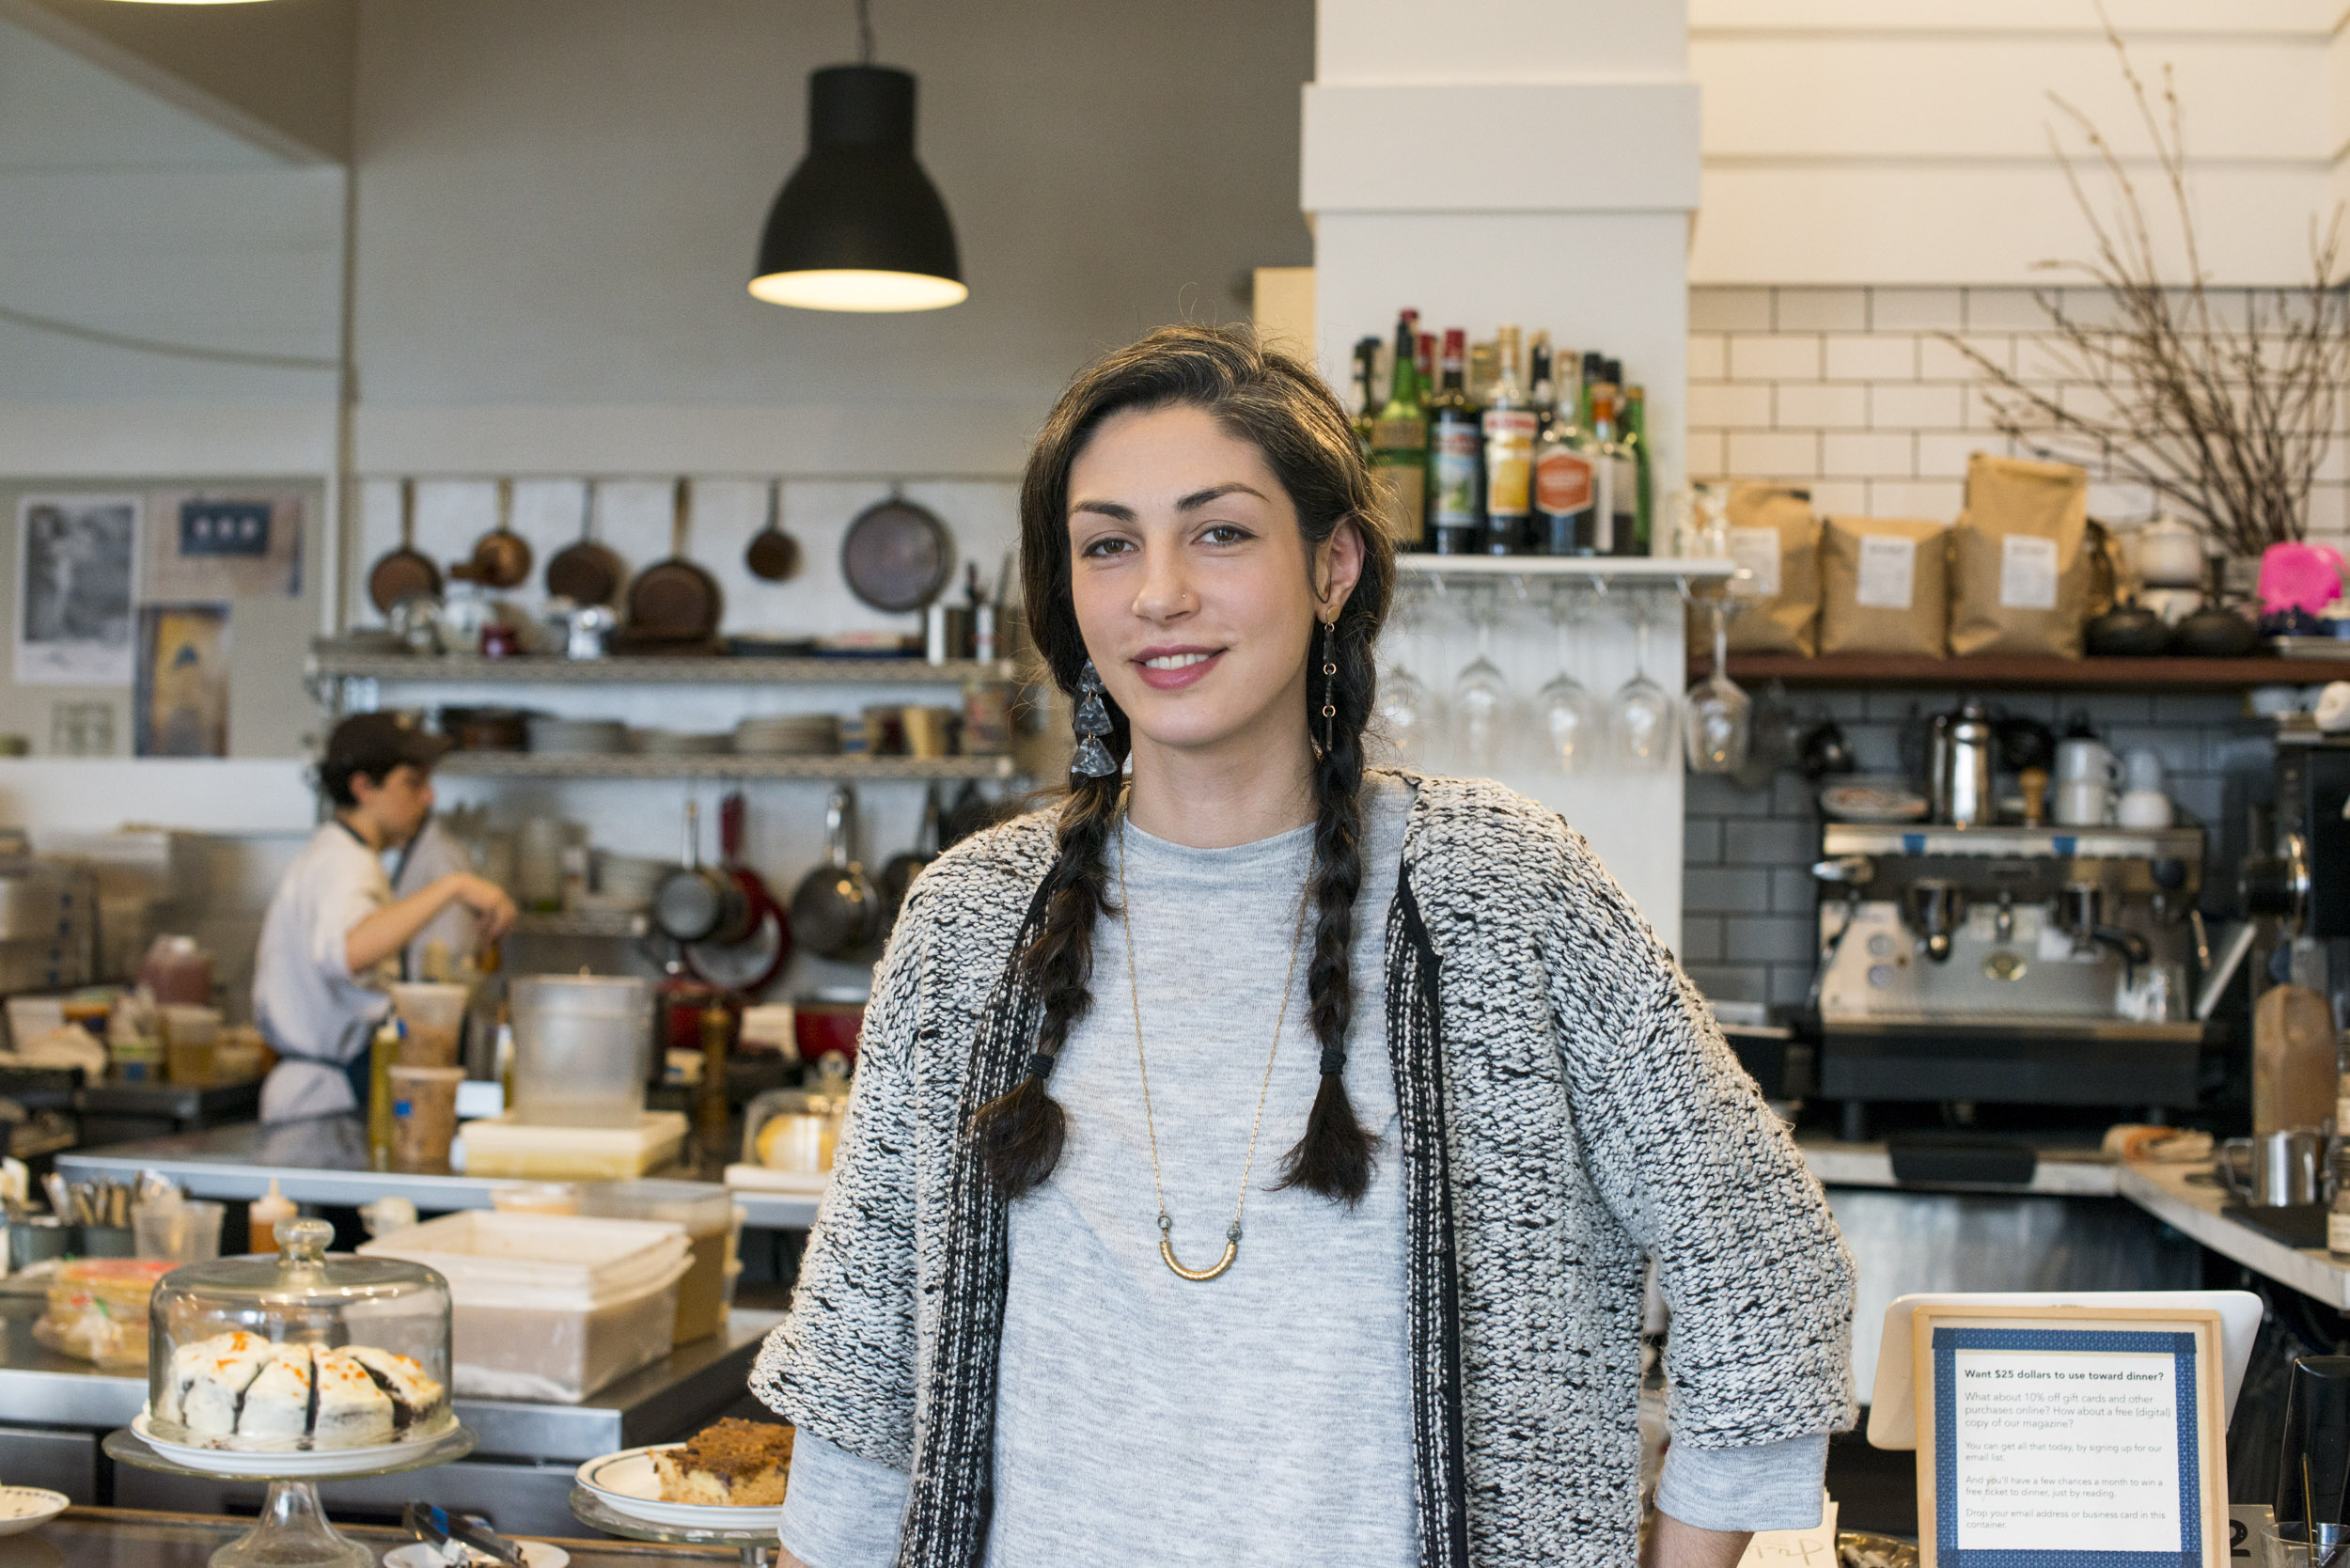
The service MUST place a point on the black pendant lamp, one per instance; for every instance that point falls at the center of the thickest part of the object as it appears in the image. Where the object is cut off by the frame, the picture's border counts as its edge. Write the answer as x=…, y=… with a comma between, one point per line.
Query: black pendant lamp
x=860, y=226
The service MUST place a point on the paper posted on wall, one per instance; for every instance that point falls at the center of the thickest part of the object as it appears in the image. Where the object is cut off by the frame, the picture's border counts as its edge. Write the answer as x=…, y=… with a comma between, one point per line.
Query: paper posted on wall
x=76, y=556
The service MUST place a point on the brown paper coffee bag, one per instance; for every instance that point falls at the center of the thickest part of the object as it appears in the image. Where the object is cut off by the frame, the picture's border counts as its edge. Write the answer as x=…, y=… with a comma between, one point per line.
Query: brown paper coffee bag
x=1775, y=536
x=2020, y=562
x=1883, y=586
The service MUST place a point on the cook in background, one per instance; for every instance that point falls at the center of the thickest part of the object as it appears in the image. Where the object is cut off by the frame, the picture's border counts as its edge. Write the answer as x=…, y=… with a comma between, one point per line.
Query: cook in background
x=332, y=939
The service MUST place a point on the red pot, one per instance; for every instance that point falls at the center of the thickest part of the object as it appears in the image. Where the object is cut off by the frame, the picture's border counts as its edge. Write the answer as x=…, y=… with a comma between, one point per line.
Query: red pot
x=826, y=1023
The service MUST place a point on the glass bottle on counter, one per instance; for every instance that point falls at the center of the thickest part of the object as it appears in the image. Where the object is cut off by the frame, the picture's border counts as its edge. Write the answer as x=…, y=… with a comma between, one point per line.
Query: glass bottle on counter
x=383, y=1050
x=1509, y=423
x=1399, y=446
x=2338, y=1210
x=1456, y=458
x=1636, y=439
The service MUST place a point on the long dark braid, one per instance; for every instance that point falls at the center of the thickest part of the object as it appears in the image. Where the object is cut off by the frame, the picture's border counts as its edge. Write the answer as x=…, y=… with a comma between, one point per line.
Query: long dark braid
x=1280, y=404
x=1336, y=1155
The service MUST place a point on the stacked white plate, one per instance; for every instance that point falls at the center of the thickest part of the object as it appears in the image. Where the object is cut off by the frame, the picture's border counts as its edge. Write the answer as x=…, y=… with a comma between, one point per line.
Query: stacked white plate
x=683, y=743
x=789, y=735
x=569, y=737
x=629, y=880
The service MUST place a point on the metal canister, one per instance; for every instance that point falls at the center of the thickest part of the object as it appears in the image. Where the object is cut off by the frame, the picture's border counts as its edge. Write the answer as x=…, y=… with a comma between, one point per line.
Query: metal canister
x=1967, y=747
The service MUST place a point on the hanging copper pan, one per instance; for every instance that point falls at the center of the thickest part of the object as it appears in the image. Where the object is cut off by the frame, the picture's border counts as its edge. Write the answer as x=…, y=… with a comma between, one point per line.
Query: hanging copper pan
x=675, y=600
x=773, y=555
x=586, y=570
x=407, y=571
x=501, y=557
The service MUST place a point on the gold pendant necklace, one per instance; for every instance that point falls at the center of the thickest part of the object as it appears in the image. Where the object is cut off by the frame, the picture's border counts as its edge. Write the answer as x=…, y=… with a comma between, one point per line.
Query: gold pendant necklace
x=1158, y=1187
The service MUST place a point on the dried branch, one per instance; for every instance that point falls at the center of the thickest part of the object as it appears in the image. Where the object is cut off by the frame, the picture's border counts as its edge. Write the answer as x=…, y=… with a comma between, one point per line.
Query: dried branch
x=2224, y=418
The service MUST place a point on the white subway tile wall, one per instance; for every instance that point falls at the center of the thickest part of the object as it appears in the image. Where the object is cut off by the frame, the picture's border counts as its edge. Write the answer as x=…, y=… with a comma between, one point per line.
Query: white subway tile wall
x=1859, y=394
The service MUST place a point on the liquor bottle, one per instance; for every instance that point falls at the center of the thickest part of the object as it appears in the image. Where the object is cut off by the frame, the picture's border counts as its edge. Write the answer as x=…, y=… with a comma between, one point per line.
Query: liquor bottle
x=1542, y=392
x=1398, y=447
x=1635, y=437
x=1424, y=361
x=1508, y=425
x=1595, y=371
x=1618, y=474
x=1456, y=459
x=1483, y=373
x=1365, y=406
x=1566, y=488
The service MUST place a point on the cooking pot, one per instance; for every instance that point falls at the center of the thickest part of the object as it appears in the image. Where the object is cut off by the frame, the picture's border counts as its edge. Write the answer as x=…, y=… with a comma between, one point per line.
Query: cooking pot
x=696, y=902
x=836, y=911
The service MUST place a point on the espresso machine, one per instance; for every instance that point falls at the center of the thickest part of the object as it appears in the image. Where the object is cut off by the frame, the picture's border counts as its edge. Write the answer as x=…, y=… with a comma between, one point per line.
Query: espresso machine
x=2008, y=964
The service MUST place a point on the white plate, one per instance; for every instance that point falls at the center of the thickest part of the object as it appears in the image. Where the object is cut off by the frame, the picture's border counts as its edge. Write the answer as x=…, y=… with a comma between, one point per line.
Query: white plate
x=23, y=1508
x=285, y=1462
x=627, y=1483
x=536, y=1554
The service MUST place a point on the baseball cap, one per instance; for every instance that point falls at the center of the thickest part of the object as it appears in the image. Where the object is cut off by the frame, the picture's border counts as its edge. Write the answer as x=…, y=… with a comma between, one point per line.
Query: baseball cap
x=375, y=743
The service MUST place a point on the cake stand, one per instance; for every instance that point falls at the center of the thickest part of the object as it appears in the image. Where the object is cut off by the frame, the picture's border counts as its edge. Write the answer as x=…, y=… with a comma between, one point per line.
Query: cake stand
x=758, y=1547
x=293, y=1531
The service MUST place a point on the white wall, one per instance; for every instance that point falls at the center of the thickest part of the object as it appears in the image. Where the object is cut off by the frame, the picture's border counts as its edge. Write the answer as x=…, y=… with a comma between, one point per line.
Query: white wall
x=560, y=202
x=1907, y=141
x=1528, y=162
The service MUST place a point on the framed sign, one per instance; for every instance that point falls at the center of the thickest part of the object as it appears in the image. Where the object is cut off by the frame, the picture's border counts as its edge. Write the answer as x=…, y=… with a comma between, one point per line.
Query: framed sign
x=2070, y=1436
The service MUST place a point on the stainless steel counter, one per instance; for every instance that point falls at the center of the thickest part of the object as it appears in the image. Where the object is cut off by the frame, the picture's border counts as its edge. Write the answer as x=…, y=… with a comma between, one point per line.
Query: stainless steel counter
x=690, y=1385
x=324, y=1160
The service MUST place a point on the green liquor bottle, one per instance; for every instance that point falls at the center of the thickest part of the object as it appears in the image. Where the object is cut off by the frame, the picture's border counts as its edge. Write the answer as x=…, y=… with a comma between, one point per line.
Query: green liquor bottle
x=1399, y=446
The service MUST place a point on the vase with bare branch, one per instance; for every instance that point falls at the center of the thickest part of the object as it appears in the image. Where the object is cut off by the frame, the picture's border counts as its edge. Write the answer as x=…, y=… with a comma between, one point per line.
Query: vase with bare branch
x=2226, y=416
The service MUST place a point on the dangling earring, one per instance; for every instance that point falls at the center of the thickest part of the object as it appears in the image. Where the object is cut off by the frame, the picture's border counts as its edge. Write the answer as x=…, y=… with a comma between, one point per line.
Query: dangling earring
x=1091, y=760
x=1329, y=679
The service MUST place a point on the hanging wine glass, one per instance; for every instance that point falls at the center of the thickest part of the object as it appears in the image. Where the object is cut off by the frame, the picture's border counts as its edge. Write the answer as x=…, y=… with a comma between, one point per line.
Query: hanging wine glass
x=1408, y=716
x=1482, y=717
x=1640, y=715
x=1568, y=717
x=1721, y=714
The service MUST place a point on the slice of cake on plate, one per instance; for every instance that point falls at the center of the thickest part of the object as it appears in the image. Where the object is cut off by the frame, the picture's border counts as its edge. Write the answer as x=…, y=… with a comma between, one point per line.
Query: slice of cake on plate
x=214, y=1379
x=353, y=1413
x=278, y=1401
x=735, y=1463
x=417, y=1400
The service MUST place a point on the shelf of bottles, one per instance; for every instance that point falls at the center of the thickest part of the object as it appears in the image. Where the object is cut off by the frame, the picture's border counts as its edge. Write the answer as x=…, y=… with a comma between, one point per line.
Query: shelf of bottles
x=1507, y=451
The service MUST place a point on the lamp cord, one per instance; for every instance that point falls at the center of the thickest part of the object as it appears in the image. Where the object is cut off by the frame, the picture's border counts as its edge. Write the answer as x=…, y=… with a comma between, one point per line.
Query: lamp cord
x=864, y=32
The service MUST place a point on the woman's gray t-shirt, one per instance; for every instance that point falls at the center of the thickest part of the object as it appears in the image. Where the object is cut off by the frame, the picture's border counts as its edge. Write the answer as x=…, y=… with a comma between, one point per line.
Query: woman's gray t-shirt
x=1265, y=1417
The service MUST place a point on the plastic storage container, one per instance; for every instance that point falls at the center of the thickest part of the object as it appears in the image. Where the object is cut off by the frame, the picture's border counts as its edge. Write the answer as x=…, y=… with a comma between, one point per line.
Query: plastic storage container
x=707, y=1214
x=549, y=1307
x=583, y=1048
x=503, y=1147
x=433, y=1016
x=299, y=1351
x=97, y=1308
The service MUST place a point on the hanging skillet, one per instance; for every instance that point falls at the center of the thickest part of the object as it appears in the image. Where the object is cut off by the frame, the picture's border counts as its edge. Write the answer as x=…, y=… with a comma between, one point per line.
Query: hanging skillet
x=675, y=600
x=586, y=570
x=897, y=556
x=407, y=571
x=773, y=555
x=501, y=557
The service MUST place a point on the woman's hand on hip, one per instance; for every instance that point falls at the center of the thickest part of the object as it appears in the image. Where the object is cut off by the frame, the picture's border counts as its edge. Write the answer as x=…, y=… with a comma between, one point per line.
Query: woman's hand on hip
x=1674, y=1544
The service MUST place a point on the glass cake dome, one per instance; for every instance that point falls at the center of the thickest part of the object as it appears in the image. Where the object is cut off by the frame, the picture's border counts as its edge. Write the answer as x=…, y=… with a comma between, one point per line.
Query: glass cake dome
x=297, y=1352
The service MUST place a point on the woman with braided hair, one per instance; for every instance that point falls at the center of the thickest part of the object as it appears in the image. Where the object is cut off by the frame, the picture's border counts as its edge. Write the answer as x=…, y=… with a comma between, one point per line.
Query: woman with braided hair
x=1256, y=1158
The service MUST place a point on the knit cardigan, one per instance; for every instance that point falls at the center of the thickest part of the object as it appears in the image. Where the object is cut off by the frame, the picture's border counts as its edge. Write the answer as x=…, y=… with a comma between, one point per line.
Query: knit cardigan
x=1568, y=1108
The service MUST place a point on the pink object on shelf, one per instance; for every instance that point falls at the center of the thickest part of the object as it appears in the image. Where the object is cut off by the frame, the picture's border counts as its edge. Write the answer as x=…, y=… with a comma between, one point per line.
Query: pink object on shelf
x=2306, y=577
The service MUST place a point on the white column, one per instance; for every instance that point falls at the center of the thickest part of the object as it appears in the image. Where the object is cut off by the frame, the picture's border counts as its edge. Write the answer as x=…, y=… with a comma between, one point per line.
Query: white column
x=1532, y=162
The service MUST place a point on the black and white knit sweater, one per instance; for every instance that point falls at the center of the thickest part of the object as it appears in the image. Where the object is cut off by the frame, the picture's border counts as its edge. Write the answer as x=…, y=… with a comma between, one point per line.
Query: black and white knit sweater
x=1567, y=1107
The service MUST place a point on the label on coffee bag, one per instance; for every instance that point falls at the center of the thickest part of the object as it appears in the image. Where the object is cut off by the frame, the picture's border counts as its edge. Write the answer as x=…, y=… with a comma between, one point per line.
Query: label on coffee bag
x=2027, y=572
x=1888, y=573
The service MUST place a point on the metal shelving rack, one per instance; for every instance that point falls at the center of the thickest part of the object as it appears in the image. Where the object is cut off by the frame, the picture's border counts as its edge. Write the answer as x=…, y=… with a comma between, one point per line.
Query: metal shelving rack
x=846, y=766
